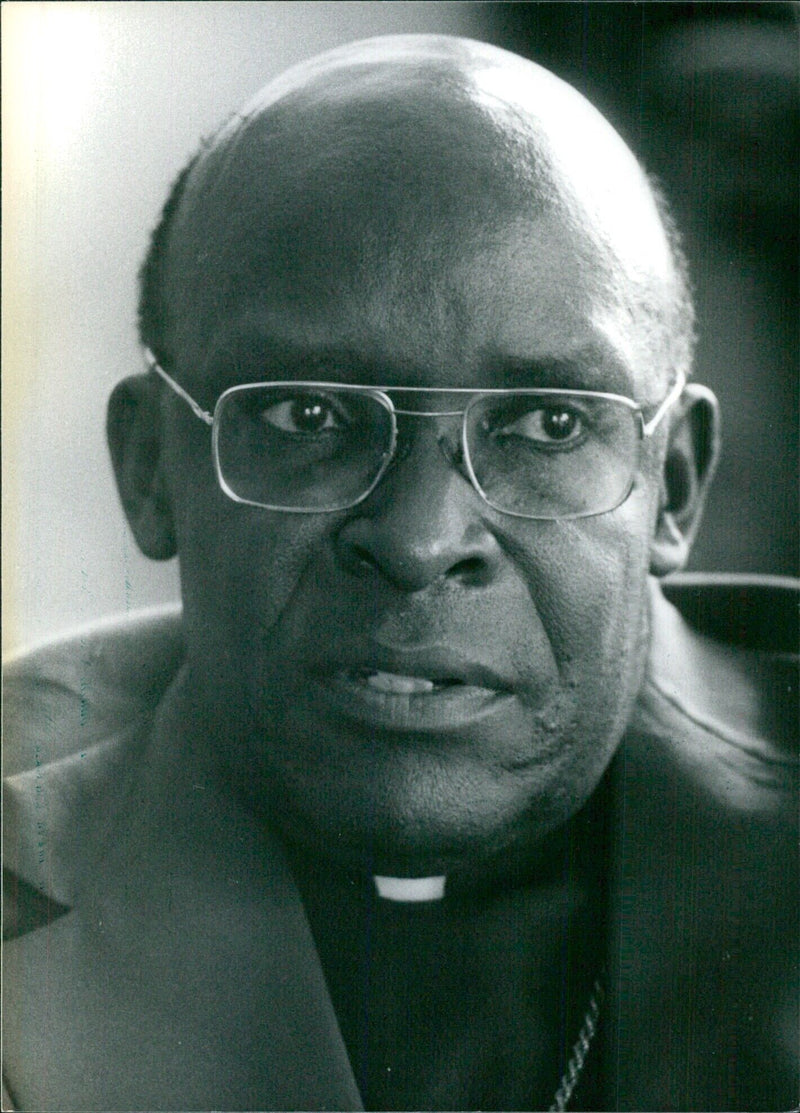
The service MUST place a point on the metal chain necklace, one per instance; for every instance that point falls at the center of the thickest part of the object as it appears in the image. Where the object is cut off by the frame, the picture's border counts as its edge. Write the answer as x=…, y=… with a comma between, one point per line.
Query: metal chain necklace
x=580, y=1050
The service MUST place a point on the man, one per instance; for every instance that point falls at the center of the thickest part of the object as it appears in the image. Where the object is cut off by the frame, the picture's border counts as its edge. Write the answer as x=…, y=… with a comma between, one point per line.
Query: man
x=429, y=799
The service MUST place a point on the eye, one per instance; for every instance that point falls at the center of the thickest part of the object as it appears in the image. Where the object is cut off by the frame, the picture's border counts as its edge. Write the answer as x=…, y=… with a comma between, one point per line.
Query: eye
x=303, y=415
x=556, y=424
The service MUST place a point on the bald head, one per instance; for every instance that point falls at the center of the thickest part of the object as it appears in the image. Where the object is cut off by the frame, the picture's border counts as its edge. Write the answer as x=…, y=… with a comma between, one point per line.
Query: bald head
x=390, y=158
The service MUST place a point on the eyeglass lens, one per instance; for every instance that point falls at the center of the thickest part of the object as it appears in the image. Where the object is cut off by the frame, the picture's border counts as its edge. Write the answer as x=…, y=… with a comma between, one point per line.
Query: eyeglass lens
x=308, y=448
x=301, y=448
x=554, y=455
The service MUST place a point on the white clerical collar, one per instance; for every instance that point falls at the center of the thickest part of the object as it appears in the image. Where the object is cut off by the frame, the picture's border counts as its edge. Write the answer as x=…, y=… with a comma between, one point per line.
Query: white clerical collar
x=410, y=889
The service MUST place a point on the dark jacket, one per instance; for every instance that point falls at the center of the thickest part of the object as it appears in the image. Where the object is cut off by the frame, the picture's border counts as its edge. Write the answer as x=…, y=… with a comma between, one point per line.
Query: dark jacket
x=162, y=958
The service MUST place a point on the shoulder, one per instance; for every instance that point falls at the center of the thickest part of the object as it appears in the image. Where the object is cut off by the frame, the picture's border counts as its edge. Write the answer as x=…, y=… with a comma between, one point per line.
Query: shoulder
x=707, y=776
x=73, y=691
x=75, y=714
x=720, y=691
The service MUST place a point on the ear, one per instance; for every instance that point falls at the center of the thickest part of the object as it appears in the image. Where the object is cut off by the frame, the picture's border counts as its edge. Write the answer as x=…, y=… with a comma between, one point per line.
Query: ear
x=689, y=465
x=134, y=439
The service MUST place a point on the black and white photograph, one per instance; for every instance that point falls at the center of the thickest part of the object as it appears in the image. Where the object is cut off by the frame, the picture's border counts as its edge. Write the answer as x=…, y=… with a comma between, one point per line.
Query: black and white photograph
x=400, y=556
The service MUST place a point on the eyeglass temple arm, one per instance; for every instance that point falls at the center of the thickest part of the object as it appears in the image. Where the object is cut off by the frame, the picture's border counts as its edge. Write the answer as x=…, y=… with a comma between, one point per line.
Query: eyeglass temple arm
x=196, y=409
x=671, y=398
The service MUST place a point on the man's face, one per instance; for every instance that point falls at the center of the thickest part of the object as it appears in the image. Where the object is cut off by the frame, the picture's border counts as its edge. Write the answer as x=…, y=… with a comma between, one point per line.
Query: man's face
x=420, y=682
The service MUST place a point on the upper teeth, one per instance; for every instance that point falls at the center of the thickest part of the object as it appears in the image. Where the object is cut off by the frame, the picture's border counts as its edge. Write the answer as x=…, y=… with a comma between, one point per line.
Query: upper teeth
x=393, y=682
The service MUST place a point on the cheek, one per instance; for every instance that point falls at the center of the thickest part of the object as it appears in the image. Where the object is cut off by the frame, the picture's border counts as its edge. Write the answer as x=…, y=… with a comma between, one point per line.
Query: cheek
x=588, y=582
x=237, y=563
x=615, y=608
x=240, y=567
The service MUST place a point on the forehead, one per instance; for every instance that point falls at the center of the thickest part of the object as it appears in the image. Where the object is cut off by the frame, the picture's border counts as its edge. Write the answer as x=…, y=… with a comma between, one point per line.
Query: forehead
x=412, y=229
x=519, y=308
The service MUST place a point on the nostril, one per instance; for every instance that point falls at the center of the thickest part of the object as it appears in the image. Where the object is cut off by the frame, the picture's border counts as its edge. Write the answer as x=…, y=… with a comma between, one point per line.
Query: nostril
x=471, y=570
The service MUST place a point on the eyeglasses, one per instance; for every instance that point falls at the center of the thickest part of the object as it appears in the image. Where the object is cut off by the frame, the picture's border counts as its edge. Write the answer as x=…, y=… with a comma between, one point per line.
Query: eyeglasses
x=316, y=447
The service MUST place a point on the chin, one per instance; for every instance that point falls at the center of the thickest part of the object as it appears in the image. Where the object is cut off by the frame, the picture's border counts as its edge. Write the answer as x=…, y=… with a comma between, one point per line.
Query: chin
x=420, y=830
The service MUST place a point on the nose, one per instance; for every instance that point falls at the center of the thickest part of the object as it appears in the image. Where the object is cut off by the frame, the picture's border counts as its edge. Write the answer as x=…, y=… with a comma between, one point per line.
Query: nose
x=423, y=523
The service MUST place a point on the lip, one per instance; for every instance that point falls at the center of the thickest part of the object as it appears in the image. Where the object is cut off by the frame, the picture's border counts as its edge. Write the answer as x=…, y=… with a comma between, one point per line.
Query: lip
x=376, y=688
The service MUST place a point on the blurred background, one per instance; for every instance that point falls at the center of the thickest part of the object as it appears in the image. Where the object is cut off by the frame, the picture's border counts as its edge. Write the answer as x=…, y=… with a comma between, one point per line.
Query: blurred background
x=103, y=103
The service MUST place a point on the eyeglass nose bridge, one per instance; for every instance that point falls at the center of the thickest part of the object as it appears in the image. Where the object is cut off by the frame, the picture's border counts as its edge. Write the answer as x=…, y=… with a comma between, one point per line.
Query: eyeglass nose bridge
x=428, y=413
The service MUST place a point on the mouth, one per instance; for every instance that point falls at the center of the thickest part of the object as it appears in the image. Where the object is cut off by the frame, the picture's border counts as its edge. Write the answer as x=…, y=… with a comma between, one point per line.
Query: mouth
x=398, y=684
x=424, y=694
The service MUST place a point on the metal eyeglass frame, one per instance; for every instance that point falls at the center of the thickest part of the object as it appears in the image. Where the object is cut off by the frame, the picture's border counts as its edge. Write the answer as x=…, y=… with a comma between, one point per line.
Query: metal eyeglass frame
x=646, y=429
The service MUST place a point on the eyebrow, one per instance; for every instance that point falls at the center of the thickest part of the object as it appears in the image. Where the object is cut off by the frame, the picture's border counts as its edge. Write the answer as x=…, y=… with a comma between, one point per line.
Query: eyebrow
x=254, y=356
x=591, y=367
